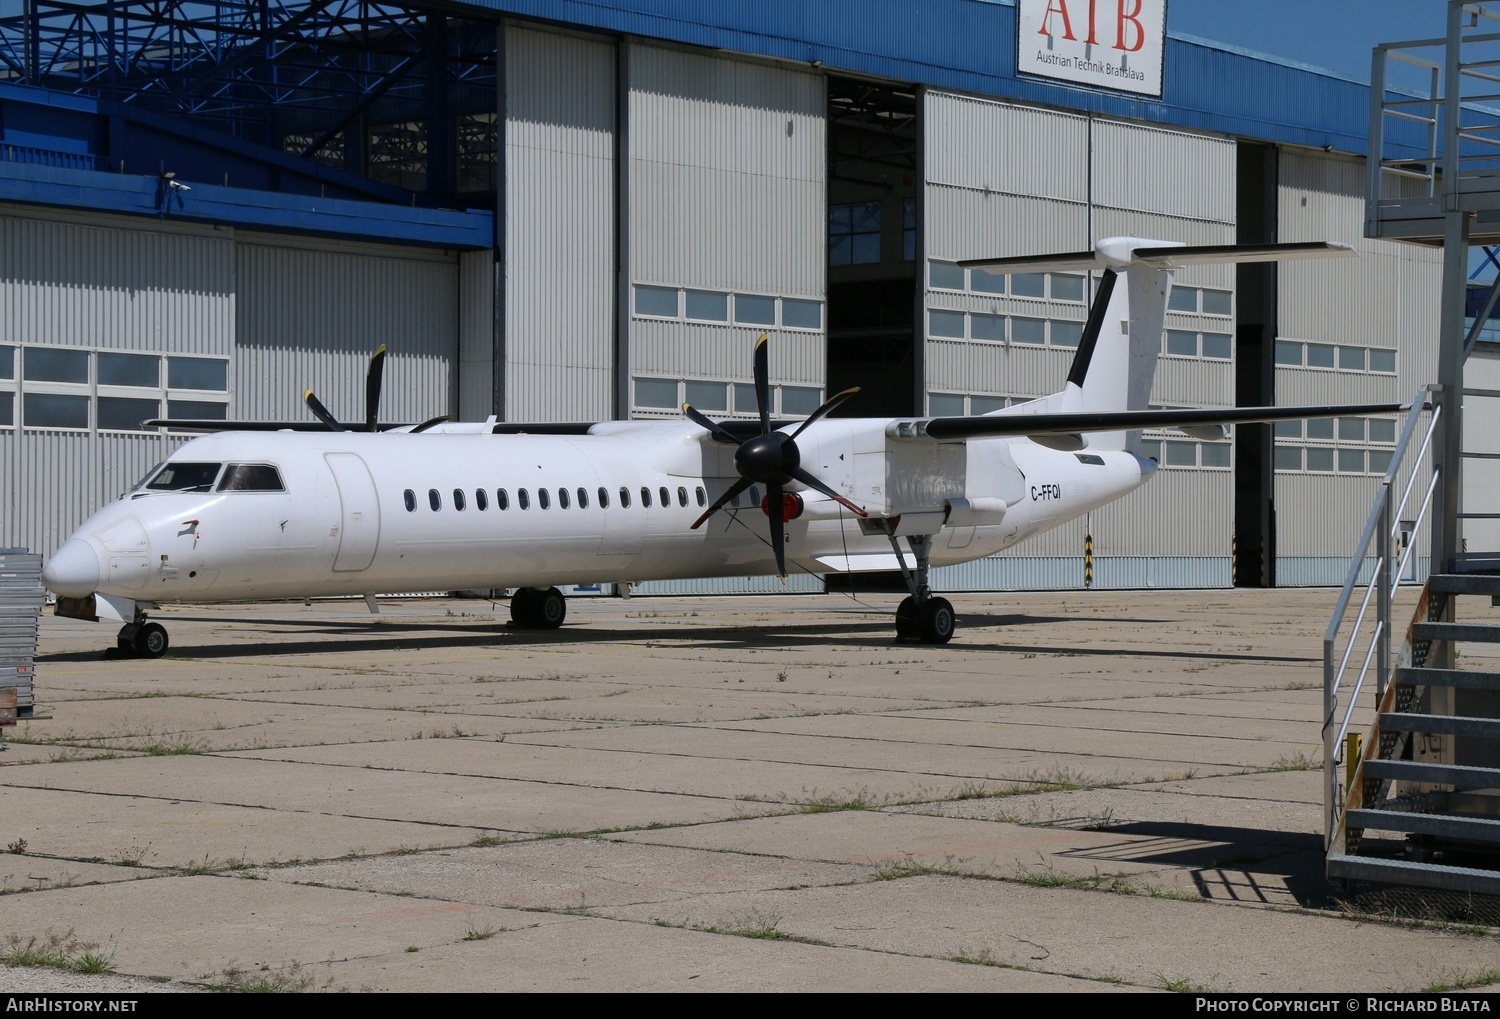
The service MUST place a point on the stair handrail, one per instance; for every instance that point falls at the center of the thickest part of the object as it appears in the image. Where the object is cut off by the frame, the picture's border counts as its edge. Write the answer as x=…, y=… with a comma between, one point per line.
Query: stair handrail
x=1379, y=527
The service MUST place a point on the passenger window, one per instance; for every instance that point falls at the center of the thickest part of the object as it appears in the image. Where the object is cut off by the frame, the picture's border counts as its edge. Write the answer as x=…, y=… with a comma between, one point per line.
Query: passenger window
x=410, y=499
x=458, y=499
x=562, y=498
x=666, y=497
x=603, y=497
x=522, y=499
x=702, y=496
x=583, y=498
x=754, y=497
x=502, y=499
x=434, y=500
x=624, y=497
x=645, y=497
x=735, y=502
x=681, y=496
x=543, y=499
x=481, y=501
x=251, y=478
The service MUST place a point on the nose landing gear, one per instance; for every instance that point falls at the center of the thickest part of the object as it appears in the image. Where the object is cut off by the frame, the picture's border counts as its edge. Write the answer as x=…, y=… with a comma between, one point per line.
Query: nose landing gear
x=140, y=639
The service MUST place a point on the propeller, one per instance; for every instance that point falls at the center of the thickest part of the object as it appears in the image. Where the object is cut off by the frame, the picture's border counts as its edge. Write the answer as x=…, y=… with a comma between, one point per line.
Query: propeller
x=770, y=458
x=373, y=380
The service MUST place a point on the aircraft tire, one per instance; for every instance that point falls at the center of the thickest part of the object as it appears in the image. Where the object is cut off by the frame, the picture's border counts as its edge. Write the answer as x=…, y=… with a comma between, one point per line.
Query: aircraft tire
x=150, y=641
x=906, y=619
x=520, y=606
x=935, y=622
x=549, y=609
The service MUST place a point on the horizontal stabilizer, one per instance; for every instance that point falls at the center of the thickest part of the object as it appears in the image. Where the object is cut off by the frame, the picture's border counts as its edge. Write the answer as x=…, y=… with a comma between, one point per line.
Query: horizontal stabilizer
x=1118, y=253
x=1112, y=421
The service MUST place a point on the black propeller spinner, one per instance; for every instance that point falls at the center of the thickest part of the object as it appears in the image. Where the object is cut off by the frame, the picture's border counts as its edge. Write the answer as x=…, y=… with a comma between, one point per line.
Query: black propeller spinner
x=373, y=379
x=770, y=458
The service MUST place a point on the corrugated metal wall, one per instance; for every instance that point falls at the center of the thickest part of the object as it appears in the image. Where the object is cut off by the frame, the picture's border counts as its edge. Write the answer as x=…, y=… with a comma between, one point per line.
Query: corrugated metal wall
x=560, y=221
x=476, y=335
x=1386, y=299
x=309, y=315
x=102, y=284
x=727, y=193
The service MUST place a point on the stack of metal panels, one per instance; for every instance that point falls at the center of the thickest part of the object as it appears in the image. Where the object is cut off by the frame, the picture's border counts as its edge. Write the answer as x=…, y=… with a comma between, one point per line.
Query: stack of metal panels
x=21, y=599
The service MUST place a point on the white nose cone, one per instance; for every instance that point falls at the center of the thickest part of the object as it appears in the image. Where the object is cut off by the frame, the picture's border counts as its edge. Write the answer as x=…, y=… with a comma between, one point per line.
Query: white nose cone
x=73, y=570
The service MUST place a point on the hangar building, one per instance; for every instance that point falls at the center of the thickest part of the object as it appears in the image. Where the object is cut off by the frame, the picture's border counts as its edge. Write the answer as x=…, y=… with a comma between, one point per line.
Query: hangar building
x=564, y=212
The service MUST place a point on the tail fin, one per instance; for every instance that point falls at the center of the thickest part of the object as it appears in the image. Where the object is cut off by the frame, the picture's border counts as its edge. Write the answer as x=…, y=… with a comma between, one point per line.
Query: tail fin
x=1116, y=360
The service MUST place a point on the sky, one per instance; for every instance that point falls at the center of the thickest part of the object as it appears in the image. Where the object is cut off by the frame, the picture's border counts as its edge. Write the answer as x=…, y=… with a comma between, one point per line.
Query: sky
x=1337, y=34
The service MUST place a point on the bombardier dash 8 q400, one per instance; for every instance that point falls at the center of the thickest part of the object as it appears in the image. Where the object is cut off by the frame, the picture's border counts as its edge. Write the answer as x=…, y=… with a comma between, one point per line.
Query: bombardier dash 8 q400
x=264, y=510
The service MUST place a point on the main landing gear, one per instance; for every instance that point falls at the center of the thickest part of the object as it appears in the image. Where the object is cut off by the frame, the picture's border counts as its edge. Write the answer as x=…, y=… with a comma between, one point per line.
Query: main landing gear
x=140, y=639
x=922, y=615
x=534, y=609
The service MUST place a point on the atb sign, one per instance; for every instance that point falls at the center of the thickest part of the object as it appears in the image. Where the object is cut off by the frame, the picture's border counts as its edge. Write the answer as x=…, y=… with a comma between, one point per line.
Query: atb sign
x=1114, y=44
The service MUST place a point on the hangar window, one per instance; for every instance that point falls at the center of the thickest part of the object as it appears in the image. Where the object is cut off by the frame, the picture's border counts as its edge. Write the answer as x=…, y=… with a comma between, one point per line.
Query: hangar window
x=1288, y=353
x=55, y=364
x=1217, y=302
x=502, y=499
x=946, y=323
x=7, y=410
x=1320, y=355
x=945, y=405
x=1382, y=430
x=251, y=478
x=125, y=414
x=1288, y=458
x=658, y=301
x=140, y=370
x=7, y=361
x=987, y=327
x=1320, y=460
x=754, y=310
x=1181, y=343
x=206, y=373
x=54, y=410
x=1183, y=299
x=909, y=230
x=410, y=499
x=981, y=282
x=945, y=275
x=708, y=305
x=1065, y=334
x=796, y=314
x=206, y=410
x=1219, y=346
x=1028, y=284
x=1352, y=358
x=1380, y=360
x=800, y=400
x=1067, y=287
x=986, y=404
x=434, y=499
x=708, y=395
x=854, y=233
x=656, y=393
x=1380, y=461
x=1028, y=330
x=744, y=398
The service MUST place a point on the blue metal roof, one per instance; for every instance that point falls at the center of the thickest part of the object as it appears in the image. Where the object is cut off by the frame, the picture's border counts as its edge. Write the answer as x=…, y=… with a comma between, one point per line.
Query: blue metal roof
x=970, y=45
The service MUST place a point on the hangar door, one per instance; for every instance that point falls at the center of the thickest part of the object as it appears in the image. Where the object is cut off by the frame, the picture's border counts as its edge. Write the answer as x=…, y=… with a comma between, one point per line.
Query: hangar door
x=308, y=315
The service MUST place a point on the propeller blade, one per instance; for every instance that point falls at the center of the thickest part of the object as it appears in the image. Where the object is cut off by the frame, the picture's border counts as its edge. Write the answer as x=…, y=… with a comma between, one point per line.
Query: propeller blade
x=704, y=421
x=763, y=383
x=827, y=408
x=813, y=483
x=429, y=423
x=734, y=490
x=778, y=528
x=321, y=412
x=372, y=388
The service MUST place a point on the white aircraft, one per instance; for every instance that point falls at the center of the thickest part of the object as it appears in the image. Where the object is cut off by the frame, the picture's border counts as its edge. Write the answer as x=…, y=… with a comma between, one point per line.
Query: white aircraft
x=257, y=513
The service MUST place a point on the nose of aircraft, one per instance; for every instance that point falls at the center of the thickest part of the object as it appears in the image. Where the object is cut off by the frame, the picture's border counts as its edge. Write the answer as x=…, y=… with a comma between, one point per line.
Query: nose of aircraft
x=73, y=570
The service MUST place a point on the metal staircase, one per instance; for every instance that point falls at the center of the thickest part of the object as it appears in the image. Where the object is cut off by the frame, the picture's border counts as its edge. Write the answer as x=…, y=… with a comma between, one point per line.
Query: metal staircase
x=1412, y=774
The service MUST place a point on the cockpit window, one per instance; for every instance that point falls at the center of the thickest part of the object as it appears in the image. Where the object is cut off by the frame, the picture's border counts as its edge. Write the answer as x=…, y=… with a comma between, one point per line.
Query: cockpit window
x=184, y=477
x=251, y=478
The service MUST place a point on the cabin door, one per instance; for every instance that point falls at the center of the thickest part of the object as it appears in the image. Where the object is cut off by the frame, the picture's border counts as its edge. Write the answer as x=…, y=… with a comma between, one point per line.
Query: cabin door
x=359, y=533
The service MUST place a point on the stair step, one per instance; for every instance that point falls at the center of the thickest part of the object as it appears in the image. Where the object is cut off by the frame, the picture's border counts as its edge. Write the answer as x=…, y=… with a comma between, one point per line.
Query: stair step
x=1465, y=583
x=1488, y=633
x=1468, y=679
x=1411, y=872
x=1461, y=777
x=1448, y=826
x=1449, y=725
